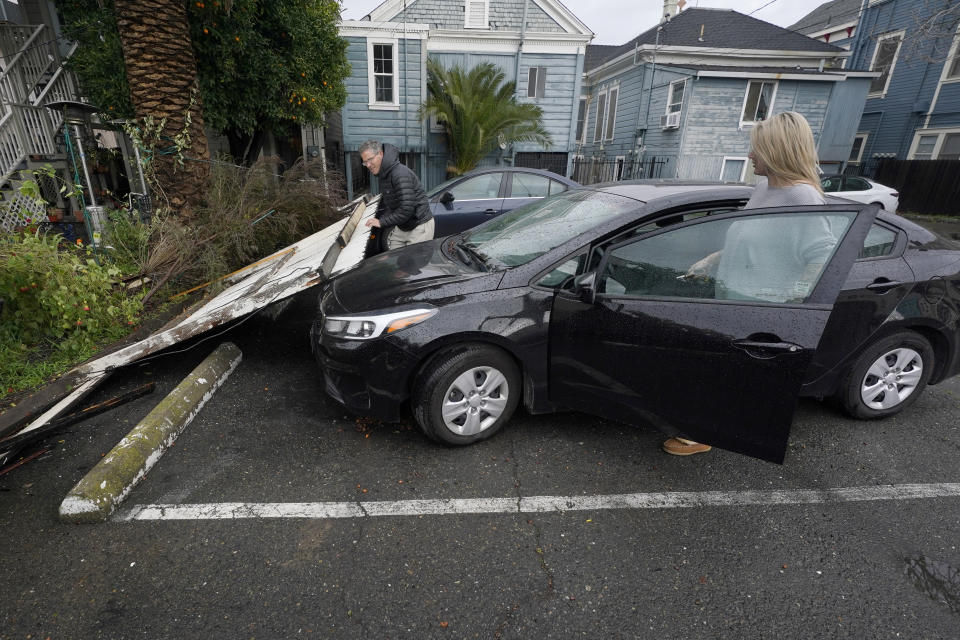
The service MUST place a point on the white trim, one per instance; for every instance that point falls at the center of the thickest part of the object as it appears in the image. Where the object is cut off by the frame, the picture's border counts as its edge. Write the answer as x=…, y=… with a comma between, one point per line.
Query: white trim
x=746, y=96
x=536, y=82
x=601, y=119
x=893, y=64
x=813, y=77
x=612, y=106
x=863, y=145
x=683, y=98
x=743, y=170
x=586, y=119
x=485, y=24
x=620, y=162
x=365, y=29
x=839, y=28
x=560, y=14
x=373, y=103
x=952, y=56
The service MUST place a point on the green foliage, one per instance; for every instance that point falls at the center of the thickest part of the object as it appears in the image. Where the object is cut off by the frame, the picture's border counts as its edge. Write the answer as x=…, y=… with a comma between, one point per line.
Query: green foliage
x=261, y=65
x=98, y=60
x=478, y=109
x=56, y=299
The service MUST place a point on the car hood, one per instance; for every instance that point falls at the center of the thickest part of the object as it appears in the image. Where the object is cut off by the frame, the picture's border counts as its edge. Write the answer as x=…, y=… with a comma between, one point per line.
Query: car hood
x=416, y=273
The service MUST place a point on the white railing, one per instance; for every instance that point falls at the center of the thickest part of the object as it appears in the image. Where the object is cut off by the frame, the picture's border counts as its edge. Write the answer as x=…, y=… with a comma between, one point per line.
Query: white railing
x=38, y=56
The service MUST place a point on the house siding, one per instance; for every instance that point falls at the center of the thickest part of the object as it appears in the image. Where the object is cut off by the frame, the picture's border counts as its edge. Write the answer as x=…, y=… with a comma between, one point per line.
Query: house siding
x=504, y=15
x=401, y=127
x=559, y=103
x=892, y=120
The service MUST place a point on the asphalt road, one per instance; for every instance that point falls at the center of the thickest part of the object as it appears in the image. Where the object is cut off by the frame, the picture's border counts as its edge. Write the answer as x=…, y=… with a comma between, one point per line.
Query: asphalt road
x=831, y=568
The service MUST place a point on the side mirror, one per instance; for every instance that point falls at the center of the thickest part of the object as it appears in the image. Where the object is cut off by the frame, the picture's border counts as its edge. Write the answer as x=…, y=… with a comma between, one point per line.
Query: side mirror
x=585, y=287
x=446, y=197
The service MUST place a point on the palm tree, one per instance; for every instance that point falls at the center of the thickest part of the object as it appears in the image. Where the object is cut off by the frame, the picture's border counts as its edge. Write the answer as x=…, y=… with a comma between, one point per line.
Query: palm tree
x=162, y=74
x=479, y=110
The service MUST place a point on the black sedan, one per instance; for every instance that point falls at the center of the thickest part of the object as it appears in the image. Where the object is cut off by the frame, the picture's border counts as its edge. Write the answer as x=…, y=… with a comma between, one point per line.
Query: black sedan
x=475, y=197
x=588, y=300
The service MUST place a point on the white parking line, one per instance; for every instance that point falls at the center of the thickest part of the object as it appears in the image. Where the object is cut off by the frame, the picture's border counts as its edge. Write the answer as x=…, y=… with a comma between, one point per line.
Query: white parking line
x=535, y=504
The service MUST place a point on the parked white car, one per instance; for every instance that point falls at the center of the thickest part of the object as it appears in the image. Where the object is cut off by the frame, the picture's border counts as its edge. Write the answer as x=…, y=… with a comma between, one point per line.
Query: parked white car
x=861, y=190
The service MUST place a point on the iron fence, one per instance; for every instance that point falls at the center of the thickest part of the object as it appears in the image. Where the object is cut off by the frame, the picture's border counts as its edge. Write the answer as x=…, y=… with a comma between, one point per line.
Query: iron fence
x=594, y=170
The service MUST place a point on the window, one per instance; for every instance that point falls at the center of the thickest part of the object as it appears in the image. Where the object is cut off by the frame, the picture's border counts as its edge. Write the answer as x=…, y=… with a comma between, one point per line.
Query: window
x=476, y=14
x=925, y=146
x=758, y=102
x=793, y=248
x=482, y=187
x=831, y=184
x=856, y=151
x=675, y=97
x=884, y=61
x=950, y=149
x=854, y=183
x=611, y=112
x=530, y=185
x=953, y=66
x=733, y=169
x=581, y=120
x=536, y=82
x=382, y=75
x=601, y=115
x=879, y=242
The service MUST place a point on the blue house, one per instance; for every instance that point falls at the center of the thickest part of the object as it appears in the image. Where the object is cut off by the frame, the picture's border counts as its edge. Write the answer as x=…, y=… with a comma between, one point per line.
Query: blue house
x=538, y=43
x=679, y=100
x=913, y=105
x=833, y=22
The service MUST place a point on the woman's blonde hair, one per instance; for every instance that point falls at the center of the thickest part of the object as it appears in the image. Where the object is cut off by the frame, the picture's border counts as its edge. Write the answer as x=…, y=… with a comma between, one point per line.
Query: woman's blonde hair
x=784, y=144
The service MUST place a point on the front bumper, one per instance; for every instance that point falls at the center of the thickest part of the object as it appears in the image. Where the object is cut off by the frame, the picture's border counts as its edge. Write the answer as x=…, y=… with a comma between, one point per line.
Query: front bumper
x=369, y=377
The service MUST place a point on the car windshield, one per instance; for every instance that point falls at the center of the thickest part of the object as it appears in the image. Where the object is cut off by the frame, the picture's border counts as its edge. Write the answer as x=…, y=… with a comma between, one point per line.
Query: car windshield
x=528, y=232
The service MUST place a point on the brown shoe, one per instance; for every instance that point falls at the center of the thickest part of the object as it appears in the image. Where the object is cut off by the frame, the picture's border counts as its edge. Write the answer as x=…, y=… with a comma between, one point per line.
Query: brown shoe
x=683, y=447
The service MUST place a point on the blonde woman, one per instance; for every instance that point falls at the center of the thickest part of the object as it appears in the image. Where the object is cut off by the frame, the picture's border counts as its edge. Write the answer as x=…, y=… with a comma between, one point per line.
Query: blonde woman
x=771, y=260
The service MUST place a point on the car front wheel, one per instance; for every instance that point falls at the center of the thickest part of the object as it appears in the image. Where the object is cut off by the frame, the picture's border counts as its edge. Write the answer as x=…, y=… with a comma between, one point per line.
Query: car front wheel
x=466, y=395
x=888, y=376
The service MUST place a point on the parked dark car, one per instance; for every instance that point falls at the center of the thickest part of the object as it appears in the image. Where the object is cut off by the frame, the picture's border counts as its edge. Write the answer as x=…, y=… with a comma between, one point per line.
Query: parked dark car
x=477, y=196
x=584, y=301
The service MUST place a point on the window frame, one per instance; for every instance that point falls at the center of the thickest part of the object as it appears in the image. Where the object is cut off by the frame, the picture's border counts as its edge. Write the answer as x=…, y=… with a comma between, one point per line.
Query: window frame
x=863, y=145
x=939, y=134
x=373, y=103
x=467, y=14
x=610, y=122
x=893, y=63
x=746, y=98
x=743, y=171
x=601, y=116
x=583, y=109
x=540, y=73
x=670, y=101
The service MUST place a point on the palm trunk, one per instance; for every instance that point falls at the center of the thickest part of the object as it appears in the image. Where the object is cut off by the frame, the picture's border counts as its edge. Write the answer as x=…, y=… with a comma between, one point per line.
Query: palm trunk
x=162, y=73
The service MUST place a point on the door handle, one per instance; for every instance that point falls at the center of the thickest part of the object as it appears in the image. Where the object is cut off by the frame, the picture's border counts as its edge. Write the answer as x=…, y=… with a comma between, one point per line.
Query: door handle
x=490, y=211
x=765, y=349
x=882, y=285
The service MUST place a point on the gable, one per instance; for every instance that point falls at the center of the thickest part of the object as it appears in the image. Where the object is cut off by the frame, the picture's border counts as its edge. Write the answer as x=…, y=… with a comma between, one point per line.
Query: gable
x=543, y=16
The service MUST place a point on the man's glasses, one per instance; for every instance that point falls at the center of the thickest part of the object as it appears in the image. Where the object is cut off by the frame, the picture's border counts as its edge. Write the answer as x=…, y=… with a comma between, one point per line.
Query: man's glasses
x=368, y=161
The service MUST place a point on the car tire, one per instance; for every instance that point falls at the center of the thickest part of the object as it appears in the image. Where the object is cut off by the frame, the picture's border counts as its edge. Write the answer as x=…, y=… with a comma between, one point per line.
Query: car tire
x=888, y=376
x=466, y=395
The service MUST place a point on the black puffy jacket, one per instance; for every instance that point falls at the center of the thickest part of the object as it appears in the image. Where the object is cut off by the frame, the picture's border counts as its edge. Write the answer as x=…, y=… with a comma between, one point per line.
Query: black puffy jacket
x=404, y=202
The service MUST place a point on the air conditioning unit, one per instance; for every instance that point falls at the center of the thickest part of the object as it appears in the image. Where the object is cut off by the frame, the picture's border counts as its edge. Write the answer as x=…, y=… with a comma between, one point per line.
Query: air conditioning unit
x=670, y=121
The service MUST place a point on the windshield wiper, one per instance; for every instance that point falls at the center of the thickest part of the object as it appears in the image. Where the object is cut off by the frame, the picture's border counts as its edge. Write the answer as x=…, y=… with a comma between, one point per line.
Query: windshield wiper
x=469, y=254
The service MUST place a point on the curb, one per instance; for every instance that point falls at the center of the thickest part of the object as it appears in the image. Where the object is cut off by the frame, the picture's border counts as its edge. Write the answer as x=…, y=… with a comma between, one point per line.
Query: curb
x=97, y=495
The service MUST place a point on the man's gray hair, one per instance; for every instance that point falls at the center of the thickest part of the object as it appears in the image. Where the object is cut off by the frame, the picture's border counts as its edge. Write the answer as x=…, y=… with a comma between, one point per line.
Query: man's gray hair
x=371, y=145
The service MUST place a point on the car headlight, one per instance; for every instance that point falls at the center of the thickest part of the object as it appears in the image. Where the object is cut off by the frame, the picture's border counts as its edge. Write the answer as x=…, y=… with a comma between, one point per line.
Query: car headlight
x=369, y=327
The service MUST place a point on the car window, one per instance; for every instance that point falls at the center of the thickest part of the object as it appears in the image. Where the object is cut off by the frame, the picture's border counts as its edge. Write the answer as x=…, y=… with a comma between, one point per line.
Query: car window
x=486, y=185
x=562, y=272
x=831, y=185
x=557, y=187
x=879, y=242
x=528, y=232
x=857, y=184
x=530, y=185
x=764, y=258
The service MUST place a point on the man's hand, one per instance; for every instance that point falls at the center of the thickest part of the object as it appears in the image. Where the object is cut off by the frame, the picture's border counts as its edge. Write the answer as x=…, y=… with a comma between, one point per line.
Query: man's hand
x=373, y=222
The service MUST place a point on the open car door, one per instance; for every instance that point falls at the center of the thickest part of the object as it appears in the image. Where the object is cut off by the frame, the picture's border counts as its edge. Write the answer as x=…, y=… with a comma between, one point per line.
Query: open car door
x=719, y=358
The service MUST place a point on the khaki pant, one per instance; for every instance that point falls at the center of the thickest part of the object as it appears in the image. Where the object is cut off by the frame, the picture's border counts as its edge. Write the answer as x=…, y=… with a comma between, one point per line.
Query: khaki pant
x=420, y=233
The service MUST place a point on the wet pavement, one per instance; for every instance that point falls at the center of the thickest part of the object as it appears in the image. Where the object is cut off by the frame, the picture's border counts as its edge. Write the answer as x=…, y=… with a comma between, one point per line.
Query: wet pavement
x=838, y=569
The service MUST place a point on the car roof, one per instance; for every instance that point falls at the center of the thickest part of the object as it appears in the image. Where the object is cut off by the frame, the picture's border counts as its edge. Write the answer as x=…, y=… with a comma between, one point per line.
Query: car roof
x=649, y=190
x=542, y=172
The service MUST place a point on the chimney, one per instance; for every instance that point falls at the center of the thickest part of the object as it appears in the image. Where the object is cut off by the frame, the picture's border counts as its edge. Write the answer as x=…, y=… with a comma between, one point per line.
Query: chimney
x=670, y=9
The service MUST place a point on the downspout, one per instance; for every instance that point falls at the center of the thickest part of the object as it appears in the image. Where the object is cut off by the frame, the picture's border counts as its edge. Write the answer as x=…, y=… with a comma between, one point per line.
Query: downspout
x=516, y=75
x=404, y=83
x=653, y=72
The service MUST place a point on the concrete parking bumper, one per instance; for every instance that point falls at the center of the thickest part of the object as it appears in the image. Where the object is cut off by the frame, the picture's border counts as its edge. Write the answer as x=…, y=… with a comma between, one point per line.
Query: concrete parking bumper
x=97, y=495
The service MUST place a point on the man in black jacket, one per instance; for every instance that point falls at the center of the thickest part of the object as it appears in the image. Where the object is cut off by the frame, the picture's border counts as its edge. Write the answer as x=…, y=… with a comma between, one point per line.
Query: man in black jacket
x=404, y=213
